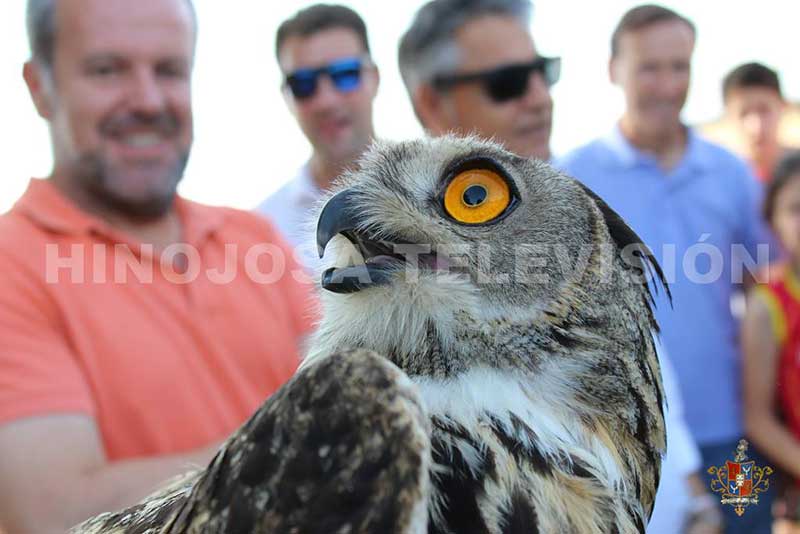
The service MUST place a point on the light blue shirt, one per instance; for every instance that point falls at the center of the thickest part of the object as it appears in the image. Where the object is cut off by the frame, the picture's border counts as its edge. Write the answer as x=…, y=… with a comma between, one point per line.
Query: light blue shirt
x=700, y=219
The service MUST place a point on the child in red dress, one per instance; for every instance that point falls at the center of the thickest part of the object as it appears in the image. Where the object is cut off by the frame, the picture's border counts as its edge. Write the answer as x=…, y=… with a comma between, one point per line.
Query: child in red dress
x=771, y=345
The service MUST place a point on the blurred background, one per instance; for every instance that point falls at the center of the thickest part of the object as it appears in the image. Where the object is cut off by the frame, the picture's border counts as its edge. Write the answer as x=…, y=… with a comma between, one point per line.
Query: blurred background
x=247, y=144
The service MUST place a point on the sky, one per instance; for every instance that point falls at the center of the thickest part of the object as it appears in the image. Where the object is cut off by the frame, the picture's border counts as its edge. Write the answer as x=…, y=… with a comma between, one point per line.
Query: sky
x=247, y=144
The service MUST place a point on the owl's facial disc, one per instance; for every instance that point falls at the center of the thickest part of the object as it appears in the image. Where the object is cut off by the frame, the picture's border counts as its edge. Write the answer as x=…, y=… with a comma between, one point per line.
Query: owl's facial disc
x=382, y=257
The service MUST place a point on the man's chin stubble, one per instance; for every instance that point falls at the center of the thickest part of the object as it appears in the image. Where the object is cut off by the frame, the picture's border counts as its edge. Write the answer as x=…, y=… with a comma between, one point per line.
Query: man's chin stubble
x=95, y=179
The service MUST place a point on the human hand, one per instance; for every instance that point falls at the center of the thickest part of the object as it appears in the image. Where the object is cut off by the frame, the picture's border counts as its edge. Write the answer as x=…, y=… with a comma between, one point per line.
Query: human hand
x=704, y=516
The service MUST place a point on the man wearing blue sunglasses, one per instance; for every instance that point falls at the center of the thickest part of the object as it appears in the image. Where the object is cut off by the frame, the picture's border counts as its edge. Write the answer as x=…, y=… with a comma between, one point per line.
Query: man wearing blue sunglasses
x=329, y=84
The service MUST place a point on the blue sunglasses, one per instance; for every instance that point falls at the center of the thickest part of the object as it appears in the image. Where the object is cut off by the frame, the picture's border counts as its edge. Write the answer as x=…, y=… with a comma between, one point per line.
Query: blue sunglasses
x=344, y=73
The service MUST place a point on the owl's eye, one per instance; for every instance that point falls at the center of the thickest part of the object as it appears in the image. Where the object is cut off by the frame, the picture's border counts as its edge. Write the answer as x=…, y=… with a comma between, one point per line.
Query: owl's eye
x=476, y=196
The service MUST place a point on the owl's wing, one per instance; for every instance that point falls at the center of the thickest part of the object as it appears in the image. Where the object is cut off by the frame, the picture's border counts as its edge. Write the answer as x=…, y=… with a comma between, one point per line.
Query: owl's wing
x=148, y=516
x=344, y=446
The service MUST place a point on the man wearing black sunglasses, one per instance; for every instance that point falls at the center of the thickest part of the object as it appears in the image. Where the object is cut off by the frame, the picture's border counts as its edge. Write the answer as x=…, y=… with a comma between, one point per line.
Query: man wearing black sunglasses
x=470, y=66
x=329, y=84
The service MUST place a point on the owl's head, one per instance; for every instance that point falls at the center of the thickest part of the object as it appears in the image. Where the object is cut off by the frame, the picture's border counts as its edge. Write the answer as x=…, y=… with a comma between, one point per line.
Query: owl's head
x=432, y=236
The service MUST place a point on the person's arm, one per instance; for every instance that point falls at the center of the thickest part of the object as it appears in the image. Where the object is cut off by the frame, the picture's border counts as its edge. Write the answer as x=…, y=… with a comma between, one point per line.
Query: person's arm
x=761, y=350
x=704, y=516
x=54, y=474
x=701, y=515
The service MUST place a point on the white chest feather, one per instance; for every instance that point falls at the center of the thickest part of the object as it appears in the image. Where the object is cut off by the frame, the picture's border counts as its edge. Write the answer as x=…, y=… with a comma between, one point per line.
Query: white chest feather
x=479, y=396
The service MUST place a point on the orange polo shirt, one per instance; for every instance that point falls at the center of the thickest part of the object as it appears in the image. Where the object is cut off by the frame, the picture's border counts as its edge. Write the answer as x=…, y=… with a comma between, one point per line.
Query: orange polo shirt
x=166, y=354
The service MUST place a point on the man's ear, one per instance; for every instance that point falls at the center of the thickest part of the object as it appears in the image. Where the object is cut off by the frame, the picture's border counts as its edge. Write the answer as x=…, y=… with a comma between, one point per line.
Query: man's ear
x=289, y=100
x=612, y=71
x=430, y=109
x=40, y=86
x=376, y=74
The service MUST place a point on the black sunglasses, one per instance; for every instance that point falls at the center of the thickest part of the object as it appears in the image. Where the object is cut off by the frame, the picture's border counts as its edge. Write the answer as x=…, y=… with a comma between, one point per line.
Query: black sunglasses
x=344, y=73
x=507, y=82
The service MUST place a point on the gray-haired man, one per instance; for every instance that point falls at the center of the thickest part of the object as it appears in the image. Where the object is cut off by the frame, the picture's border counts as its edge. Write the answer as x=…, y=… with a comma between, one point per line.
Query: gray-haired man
x=471, y=66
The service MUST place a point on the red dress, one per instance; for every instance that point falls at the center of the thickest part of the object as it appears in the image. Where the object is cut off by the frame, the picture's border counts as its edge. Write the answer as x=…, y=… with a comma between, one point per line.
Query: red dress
x=782, y=295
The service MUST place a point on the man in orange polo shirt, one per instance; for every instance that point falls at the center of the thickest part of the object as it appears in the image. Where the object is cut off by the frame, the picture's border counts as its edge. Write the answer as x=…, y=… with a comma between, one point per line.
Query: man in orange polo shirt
x=137, y=329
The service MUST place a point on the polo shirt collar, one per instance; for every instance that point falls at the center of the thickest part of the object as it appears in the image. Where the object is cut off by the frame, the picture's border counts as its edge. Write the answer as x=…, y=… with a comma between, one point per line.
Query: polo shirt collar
x=696, y=157
x=626, y=154
x=199, y=221
x=50, y=209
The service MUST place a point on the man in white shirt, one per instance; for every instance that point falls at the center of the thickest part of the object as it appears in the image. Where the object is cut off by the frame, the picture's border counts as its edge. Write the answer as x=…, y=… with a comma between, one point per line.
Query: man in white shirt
x=329, y=85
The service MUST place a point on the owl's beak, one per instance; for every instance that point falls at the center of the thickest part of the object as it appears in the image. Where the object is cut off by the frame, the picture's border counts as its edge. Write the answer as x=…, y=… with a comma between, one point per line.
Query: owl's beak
x=383, y=254
x=339, y=216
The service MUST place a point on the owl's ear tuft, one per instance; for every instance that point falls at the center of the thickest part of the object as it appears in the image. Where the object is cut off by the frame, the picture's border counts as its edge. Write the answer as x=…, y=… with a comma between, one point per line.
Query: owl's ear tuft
x=636, y=253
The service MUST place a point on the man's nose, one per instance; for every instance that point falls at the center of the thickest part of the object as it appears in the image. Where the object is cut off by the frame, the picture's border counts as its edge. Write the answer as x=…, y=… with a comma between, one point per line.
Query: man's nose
x=326, y=94
x=754, y=124
x=537, y=92
x=671, y=84
x=146, y=94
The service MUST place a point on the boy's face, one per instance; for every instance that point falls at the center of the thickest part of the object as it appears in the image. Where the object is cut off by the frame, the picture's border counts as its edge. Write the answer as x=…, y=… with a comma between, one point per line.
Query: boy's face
x=756, y=112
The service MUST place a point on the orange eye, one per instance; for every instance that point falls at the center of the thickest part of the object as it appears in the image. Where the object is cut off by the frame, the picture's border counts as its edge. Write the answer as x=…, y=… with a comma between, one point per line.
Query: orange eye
x=476, y=196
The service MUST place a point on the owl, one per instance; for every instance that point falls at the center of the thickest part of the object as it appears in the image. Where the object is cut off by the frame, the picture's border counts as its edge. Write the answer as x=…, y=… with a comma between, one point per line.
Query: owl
x=485, y=363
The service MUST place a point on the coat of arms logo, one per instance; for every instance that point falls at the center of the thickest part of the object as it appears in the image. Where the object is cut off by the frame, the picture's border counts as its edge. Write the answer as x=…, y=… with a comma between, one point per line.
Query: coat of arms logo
x=739, y=482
